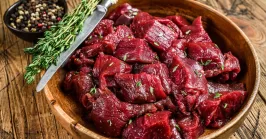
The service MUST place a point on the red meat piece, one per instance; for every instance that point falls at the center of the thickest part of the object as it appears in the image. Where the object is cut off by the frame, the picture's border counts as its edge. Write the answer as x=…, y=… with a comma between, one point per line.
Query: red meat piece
x=208, y=54
x=108, y=66
x=170, y=25
x=175, y=130
x=79, y=84
x=166, y=104
x=188, y=75
x=110, y=115
x=160, y=70
x=179, y=20
x=149, y=126
x=111, y=40
x=191, y=126
x=140, y=88
x=158, y=35
x=217, y=87
x=196, y=32
x=135, y=50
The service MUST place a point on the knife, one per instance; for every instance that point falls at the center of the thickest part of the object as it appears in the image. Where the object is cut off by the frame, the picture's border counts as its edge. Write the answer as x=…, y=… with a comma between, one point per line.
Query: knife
x=90, y=23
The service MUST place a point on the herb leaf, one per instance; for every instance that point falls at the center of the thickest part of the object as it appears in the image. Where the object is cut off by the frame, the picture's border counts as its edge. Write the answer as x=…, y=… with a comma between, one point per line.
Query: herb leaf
x=222, y=66
x=151, y=90
x=187, y=32
x=175, y=68
x=93, y=90
x=225, y=105
x=111, y=64
x=206, y=63
x=184, y=92
x=110, y=122
x=125, y=57
x=130, y=121
x=217, y=95
x=177, y=127
x=138, y=84
x=199, y=74
x=156, y=43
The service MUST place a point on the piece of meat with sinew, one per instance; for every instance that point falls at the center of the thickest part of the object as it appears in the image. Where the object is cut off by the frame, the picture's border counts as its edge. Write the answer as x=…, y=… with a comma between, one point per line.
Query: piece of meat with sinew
x=175, y=130
x=217, y=87
x=220, y=107
x=104, y=28
x=207, y=54
x=139, y=88
x=191, y=126
x=179, y=20
x=196, y=32
x=79, y=60
x=110, y=115
x=79, y=84
x=171, y=26
x=157, y=34
x=108, y=66
x=149, y=126
x=135, y=51
x=160, y=70
x=111, y=40
x=123, y=14
x=187, y=75
x=166, y=104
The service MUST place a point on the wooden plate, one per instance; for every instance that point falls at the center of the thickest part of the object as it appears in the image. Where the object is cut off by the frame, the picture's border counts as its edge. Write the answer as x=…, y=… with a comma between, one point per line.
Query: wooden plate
x=223, y=32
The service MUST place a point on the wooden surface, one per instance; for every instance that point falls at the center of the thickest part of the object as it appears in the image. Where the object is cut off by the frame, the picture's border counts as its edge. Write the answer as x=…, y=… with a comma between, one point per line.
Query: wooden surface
x=25, y=114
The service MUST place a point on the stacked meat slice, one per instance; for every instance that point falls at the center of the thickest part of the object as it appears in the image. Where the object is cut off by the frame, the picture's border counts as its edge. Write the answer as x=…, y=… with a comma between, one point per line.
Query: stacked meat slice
x=144, y=77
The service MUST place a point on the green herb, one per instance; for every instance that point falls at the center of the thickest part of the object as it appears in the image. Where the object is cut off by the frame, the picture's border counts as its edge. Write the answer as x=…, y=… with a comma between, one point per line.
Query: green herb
x=175, y=68
x=199, y=74
x=217, y=95
x=111, y=64
x=76, y=72
x=187, y=32
x=90, y=37
x=125, y=57
x=58, y=39
x=177, y=127
x=225, y=105
x=222, y=66
x=110, y=122
x=151, y=90
x=130, y=121
x=184, y=92
x=157, y=57
x=205, y=63
x=135, y=13
x=185, y=53
x=138, y=84
x=216, y=45
x=93, y=90
x=100, y=36
x=156, y=43
x=148, y=114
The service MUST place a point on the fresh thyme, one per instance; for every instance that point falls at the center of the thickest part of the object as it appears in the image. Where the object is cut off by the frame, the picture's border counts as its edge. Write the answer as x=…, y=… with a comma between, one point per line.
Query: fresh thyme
x=58, y=39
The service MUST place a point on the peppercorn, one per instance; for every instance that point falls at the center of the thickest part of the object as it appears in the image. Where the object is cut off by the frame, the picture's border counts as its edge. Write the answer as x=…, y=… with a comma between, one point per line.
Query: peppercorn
x=36, y=15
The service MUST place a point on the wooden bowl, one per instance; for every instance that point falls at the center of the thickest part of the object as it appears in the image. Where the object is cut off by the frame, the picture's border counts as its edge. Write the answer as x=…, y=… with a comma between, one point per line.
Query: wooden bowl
x=223, y=32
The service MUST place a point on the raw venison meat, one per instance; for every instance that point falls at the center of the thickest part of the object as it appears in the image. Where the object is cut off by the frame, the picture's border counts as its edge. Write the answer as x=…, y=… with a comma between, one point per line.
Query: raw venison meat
x=166, y=104
x=179, y=20
x=135, y=50
x=149, y=126
x=107, y=66
x=220, y=107
x=191, y=126
x=157, y=34
x=110, y=115
x=217, y=87
x=104, y=28
x=196, y=32
x=208, y=54
x=160, y=70
x=177, y=49
x=170, y=25
x=123, y=14
x=139, y=88
x=187, y=75
x=79, y=84
x=111, y=40
x=228, y=71
x=78, y=60
x=175, y=130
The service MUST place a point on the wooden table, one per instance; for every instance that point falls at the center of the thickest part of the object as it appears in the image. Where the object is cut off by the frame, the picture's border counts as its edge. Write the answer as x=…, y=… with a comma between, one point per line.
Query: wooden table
x=25, y=114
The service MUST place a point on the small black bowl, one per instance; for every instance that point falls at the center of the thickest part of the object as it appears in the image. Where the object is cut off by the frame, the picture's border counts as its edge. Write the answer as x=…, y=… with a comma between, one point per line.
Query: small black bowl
x=27, y=36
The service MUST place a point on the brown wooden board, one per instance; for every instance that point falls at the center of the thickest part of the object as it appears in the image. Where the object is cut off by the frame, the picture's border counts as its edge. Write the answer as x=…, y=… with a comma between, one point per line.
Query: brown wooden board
x=25, y=114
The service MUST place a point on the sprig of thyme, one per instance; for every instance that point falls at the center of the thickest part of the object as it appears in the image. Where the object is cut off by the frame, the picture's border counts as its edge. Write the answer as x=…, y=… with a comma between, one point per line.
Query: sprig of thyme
x=58, y=39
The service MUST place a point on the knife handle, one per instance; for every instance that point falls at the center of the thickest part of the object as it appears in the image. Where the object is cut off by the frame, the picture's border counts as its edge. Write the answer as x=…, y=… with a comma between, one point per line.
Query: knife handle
x=106, y=3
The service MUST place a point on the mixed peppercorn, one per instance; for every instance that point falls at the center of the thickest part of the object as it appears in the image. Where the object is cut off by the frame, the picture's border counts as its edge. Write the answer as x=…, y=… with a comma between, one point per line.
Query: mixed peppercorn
x=36, y=15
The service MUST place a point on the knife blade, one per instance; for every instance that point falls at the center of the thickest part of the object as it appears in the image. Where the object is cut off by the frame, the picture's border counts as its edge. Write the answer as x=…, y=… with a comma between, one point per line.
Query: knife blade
x=90, y=23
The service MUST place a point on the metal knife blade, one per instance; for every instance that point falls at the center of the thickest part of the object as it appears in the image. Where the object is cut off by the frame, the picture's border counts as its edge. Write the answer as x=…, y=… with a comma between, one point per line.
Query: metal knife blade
x=90, y=23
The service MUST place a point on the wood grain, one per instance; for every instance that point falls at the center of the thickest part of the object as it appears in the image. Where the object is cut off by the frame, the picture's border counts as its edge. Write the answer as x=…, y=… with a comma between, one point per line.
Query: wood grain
x=25, y=114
